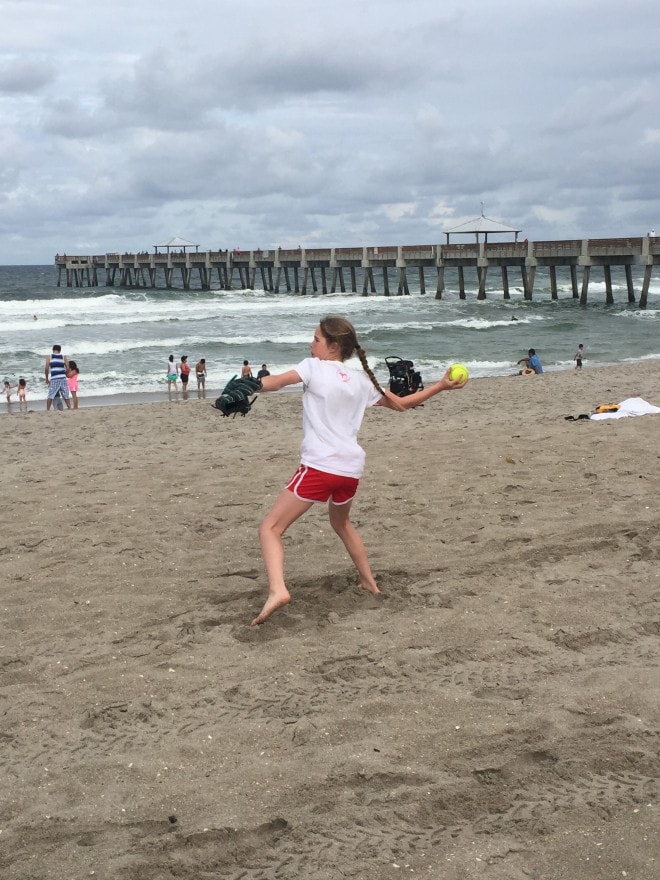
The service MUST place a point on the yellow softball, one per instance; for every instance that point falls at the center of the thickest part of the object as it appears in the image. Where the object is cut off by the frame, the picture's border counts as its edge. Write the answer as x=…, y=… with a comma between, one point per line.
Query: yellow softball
x=458, y=373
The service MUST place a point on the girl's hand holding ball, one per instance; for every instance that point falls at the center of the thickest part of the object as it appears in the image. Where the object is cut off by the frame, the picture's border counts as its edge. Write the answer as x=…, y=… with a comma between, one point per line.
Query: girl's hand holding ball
x=458, y=373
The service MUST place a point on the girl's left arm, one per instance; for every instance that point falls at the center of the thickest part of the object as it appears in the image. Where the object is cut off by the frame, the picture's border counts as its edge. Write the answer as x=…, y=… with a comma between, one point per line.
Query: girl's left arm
x=274, y=383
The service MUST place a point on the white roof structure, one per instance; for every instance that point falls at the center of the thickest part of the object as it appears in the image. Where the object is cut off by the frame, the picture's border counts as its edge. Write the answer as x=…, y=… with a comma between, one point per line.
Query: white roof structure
x=482, y=226
x=176, y=243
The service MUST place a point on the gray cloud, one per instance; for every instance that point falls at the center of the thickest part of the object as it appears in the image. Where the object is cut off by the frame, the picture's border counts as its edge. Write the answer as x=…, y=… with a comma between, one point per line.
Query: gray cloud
x=320, y=123
x=25, y=76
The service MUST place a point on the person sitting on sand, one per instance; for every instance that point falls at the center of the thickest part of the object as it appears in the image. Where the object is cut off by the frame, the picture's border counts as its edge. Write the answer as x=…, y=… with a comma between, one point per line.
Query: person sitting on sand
x=532, y=363
x=334, y=402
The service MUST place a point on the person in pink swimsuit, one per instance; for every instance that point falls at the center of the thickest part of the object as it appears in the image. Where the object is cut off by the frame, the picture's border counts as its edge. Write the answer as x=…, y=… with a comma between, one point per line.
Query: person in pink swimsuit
x=72, y=381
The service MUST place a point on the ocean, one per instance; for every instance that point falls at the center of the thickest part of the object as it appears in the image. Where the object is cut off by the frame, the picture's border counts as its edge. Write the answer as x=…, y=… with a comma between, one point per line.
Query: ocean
x=121, y=338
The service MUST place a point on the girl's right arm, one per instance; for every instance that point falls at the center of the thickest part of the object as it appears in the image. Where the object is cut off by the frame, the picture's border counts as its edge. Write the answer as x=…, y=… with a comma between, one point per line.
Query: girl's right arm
x=274, y=383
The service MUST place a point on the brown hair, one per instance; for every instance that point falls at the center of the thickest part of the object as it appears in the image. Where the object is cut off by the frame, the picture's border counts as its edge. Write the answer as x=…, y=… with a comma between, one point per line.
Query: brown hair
x=339, y=330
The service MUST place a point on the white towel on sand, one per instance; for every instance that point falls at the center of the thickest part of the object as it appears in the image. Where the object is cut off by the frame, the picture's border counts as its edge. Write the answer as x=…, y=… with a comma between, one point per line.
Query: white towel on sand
x=631, y=406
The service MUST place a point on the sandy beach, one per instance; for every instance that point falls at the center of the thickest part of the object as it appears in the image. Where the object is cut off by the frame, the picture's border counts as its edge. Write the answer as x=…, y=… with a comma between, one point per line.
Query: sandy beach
x=494, y=715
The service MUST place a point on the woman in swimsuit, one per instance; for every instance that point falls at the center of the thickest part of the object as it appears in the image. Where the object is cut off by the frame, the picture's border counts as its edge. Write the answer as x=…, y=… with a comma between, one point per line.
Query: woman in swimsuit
x=184, y=371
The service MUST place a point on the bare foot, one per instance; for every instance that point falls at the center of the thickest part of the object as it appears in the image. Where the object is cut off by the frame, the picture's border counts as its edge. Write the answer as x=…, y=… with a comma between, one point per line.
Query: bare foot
x=273, y=602
x=370, y=587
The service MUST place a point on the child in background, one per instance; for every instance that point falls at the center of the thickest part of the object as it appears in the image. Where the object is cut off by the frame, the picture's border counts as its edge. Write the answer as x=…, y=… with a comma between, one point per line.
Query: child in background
x=200, y=373
x=22, y=390
x=580, y=355
x=7, y=391
x=72, y=381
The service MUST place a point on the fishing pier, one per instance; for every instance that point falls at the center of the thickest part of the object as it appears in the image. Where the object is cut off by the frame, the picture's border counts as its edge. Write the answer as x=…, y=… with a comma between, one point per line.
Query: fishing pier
x=377, y=270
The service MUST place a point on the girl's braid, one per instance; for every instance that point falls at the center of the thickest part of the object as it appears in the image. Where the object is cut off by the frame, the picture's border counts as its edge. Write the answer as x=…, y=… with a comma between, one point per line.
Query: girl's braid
x=367, y=369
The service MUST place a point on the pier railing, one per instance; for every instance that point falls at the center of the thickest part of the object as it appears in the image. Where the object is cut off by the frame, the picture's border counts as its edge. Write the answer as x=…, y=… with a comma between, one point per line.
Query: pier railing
x=299, y=268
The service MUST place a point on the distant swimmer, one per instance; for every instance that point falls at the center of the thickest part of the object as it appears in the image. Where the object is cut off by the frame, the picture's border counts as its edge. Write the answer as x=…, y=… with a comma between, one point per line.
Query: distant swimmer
x=35, y=317
x=513, y=318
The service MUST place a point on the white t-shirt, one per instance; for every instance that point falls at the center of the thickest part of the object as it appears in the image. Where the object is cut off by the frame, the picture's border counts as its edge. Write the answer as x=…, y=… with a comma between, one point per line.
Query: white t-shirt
x=334, y=401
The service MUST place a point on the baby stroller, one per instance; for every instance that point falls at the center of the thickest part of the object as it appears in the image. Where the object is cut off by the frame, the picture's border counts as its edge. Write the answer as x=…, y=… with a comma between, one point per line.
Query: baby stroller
x=404, y=378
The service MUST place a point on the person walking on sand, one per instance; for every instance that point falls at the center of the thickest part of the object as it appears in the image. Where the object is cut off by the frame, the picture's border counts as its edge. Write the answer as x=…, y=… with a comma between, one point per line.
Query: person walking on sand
x=246, y=370
x=72, y=381
x=56, y=369
x=334, y=402
x=580, y=355
x=172, y=376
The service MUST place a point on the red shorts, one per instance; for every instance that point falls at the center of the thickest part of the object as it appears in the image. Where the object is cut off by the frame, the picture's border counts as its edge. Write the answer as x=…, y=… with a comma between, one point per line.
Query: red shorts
x=308, y=484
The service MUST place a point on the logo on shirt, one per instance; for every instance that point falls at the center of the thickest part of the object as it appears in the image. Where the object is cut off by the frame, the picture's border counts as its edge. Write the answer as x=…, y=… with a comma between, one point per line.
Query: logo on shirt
x=343, y=375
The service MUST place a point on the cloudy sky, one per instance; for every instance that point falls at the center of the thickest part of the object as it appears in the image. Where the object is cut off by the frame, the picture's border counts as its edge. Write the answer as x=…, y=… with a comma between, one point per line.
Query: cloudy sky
x=344, y=122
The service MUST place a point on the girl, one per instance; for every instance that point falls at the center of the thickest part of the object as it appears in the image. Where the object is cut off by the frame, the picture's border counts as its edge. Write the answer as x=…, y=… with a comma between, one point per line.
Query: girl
x=22, y=390
x=334, y=402
x=72, y=381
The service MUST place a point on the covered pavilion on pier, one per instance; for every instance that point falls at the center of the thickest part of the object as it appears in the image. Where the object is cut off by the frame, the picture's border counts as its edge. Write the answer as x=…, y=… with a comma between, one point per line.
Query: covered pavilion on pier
x=176, y=243
x=482, y=226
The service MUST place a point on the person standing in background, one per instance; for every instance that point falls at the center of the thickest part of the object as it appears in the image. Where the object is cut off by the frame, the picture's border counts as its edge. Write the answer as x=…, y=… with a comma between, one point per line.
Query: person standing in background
x=200, y=373
x=172, y=376
x=56, y=369
x=72, y=381
x=580, y=355
x=246, y=370
x=184, y=374
x=264, y=371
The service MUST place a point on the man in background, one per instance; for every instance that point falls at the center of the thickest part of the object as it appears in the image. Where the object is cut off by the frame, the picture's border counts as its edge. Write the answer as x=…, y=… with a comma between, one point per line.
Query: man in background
x=56, y=369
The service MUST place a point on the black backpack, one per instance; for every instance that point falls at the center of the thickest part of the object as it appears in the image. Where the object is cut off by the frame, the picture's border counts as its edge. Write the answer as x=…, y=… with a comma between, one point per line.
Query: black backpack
x=404, y=378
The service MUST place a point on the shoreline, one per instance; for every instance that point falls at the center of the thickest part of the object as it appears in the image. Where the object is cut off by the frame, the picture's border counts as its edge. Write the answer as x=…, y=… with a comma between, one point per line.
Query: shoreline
x=634, y=371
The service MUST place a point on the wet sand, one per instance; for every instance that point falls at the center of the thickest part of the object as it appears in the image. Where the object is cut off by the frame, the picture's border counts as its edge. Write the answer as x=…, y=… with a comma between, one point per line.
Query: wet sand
x=494, y=715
